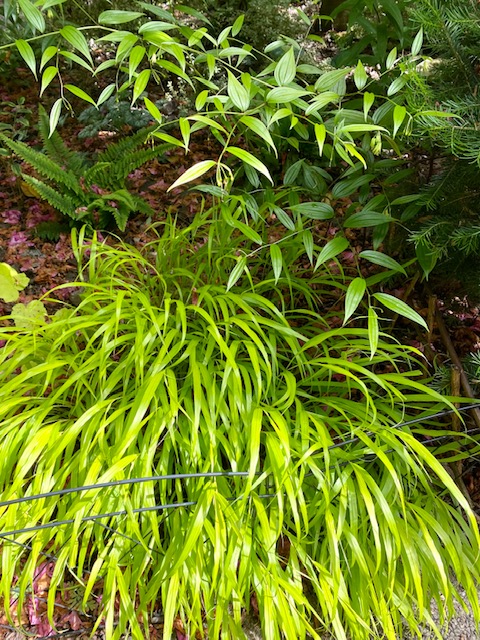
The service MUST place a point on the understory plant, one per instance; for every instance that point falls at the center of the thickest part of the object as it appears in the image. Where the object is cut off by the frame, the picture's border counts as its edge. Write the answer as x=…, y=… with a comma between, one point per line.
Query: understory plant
x=216, y=446
x=84, y=192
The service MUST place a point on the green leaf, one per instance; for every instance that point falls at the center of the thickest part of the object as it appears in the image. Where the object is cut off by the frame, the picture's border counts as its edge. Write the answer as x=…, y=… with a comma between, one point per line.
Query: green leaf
x=373, y=331
x=396, y=85
x=153, y=110
x=237, y=271
x=47, y=76
x=350, y=185
x=368, y=100
x=80, y=94
x=69, y=55
x=330, y=250
x=47, y=55
x=366, y=219
x=360, y=76
x=417, y=43
x=140, y=84
x=118, y=17
x=237, y=25
x=33, y=15
x=307, y=238
x=237, y=93
x=355, y=292
x=77, y=40
x=29, y=316
x=401, y=308
x=55, y=115
x=383, y=260
x=258, y=127
x=193, y=173
x=27, y=54
x=106, y=93
x=246, y=156
x=136, y=56
x=284, y=94
x=399, y=114
x=391, y=58
x=277, y=261
x=320, y=135
x=285, y=69
x=314, y=210
x=329, y=79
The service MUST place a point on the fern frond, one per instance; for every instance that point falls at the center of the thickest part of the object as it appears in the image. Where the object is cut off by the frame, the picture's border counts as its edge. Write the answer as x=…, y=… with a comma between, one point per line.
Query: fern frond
x=56, y=149
x=120, y=149
x=60, y=201
x=43, y=165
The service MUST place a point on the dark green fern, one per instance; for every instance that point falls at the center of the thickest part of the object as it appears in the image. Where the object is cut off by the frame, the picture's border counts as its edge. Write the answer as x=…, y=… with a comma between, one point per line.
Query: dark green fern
x=94, y=194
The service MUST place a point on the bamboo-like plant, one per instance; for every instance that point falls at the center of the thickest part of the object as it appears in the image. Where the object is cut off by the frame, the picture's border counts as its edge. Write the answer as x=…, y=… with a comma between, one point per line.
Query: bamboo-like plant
x=288, y=476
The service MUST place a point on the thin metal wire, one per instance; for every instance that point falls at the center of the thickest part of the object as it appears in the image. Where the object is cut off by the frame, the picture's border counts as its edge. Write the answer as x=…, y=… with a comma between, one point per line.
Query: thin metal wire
x=210, y=474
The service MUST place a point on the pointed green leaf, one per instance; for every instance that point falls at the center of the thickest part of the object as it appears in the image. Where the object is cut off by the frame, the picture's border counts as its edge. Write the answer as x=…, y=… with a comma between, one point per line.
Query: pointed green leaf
x=258, y=127
x=368, y=100
x=55, y=115
x=391, y=58
x=77, y=40
x=400, y=307
x=47, y=76
x=377, y=257
x=373, y=332
x=320, y=134
x=284, y=94
x=80, y=94
x=366, y=219
x=399, y=114
x=33, y=15
x=141, y=82
x=360, y=76
x=118, y=17
x=417, y=43
x=286, y=68
x=193, y=173
x=106, y=93
x=47, y=55
x=277, y=261
x=307, y=238
x=237, y=25
x=331, y=249
x=26, y=51
x=250, y=159
x=314, y=210
x=136, y=56
x=237, y=271
x=237, y=93
x=153, y=110
x=355, y=292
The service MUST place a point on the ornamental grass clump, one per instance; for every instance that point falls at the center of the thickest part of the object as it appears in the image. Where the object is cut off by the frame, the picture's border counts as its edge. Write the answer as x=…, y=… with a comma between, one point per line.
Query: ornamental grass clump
x=290, y=485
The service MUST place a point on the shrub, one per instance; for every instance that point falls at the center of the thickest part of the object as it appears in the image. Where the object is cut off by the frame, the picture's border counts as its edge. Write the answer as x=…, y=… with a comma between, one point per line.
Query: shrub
x=332, y=514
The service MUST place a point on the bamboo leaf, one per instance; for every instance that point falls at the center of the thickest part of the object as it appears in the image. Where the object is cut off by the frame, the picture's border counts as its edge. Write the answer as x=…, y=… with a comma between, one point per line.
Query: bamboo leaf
x=27, y=54
x=377, y=257
x=286, y=68
x=355, y=292
x=277, y=261
x=77, y=40
x=140, y=84
x=55, y=115
x=236, y=273
x=118, y=17
x=198, y=170
x=246, y=156
x=400, y=307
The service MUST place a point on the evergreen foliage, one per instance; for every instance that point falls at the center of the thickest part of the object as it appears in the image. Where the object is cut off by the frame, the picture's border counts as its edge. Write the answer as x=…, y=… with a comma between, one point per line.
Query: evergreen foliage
x=94, y=194
x=450, y=200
